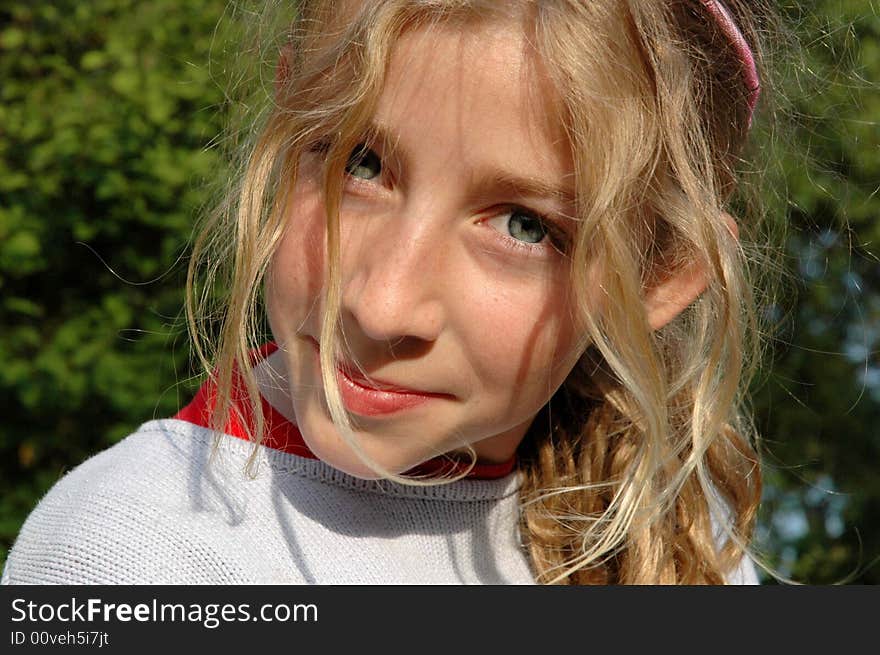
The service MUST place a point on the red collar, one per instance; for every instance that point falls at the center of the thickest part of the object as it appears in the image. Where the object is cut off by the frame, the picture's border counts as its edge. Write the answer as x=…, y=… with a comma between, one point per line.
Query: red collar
x=283, y=435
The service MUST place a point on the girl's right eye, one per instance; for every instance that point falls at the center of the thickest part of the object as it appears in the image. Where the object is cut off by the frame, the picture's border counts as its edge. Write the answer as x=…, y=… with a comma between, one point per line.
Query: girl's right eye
x=363, y=163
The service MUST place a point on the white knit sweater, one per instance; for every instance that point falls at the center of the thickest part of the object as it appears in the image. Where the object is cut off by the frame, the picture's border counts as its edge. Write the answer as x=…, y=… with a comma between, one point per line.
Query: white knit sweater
x=152, y=510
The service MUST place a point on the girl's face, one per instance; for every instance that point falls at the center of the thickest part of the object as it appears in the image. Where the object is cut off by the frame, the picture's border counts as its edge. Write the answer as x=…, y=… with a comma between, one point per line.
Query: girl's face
x=455, y=291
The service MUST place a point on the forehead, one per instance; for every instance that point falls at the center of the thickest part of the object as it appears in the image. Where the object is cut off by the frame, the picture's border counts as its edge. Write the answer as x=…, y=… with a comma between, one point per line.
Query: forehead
x=475, y=89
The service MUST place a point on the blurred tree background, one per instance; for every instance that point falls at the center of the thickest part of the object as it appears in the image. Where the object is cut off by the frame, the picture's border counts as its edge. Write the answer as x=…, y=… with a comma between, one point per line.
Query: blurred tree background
x=818, y=409
x=109, y=116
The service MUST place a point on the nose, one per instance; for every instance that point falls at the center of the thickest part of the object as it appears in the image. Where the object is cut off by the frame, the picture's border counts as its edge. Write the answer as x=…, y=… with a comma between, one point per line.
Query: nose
x=393, y=283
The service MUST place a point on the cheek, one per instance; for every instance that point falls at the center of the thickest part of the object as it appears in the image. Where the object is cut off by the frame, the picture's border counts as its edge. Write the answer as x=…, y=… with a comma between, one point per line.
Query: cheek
x=522, y=345
x=296, y=273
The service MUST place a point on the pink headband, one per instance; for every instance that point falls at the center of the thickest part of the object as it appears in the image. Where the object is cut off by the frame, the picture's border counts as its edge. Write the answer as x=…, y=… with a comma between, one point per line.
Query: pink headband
x=736, y=38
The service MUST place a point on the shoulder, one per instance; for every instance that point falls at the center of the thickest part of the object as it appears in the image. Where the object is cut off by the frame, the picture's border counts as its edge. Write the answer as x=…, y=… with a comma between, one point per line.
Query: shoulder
x=127, y=515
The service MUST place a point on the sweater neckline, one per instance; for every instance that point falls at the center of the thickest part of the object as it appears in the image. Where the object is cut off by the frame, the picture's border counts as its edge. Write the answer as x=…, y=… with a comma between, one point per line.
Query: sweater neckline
x=282, y=435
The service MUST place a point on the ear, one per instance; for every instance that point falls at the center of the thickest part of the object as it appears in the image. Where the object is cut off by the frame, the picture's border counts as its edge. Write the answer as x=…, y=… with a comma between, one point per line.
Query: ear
x=672, y=295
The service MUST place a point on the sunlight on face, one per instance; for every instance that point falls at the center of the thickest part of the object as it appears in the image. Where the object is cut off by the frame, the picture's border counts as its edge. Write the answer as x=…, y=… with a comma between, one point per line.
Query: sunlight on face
x=456, y=305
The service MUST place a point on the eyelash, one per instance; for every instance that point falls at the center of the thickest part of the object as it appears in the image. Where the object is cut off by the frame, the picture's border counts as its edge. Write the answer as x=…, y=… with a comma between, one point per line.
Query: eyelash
x=555, y=237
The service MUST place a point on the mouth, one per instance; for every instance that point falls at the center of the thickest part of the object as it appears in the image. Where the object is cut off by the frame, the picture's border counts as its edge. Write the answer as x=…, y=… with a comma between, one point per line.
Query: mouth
x=376, y=397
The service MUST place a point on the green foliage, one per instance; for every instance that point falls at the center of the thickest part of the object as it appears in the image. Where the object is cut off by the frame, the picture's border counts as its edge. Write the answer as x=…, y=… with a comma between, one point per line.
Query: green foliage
x=107, y=112
x=819, y=407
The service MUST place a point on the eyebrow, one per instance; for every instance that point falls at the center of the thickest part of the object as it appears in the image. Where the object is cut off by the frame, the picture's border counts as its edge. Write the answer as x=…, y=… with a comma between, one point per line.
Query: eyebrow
x=531, y=187
x=518, y=185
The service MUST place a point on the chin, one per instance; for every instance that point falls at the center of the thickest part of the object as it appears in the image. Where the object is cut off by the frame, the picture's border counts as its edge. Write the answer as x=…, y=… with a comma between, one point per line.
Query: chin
x=355, y=468
x=326, y=443
x=348, y=462
x=336, y=452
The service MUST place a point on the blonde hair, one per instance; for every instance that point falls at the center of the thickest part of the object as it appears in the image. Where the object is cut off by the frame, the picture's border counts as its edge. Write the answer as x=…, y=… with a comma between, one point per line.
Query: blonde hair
x=642, y=463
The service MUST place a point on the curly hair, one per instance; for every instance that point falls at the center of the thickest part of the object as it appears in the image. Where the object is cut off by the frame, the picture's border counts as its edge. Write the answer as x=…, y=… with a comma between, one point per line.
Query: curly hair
x=642, y=466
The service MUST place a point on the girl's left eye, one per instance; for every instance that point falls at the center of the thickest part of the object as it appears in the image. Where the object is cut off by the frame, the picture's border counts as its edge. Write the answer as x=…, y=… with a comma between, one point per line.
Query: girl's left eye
x=363, y=163
x=520, y=225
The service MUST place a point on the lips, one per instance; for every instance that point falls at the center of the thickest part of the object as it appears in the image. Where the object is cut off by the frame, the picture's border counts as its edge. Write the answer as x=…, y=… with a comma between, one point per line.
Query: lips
x=377, y=397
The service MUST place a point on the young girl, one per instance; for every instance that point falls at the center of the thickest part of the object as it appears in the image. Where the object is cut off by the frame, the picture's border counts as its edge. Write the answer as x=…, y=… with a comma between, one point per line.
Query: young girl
x=509, y=316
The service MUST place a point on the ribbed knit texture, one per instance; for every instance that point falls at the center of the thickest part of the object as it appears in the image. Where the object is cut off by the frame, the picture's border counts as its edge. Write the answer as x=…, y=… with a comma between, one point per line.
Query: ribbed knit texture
x=151, y=510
